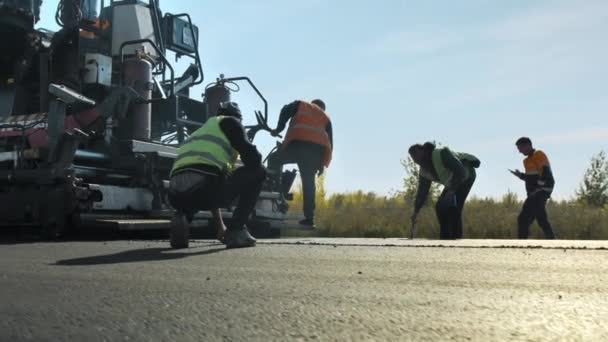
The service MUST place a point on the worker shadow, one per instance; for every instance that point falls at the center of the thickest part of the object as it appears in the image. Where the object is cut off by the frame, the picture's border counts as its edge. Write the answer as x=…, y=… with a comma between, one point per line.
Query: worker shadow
x=140, y=255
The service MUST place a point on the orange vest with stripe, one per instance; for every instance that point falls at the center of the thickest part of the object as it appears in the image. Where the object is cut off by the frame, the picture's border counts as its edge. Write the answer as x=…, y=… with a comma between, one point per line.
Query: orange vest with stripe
x=309, y=124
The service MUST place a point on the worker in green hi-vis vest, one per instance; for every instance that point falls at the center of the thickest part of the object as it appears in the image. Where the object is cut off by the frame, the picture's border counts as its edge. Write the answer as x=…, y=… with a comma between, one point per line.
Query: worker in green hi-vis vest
x=456, y=172
x=203, y=177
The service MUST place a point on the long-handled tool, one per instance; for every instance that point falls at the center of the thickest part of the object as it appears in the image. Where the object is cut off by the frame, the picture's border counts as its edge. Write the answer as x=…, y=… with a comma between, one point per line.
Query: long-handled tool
x=413, y=229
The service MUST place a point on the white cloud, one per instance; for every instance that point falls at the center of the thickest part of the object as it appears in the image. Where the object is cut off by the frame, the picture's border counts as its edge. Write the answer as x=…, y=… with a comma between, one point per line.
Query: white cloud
x=585, y=135
x=538, y=48
x=553, y=22
x=409, y=43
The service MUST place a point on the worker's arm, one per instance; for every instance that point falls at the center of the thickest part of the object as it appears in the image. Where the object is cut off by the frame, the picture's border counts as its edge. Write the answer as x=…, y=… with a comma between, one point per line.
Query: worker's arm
x=455, y=165
x=518, y=174
x=235, y=133
x=330, y=133
x=424, y=185
x=287, y=113
x=546, y=181
x=547, y=176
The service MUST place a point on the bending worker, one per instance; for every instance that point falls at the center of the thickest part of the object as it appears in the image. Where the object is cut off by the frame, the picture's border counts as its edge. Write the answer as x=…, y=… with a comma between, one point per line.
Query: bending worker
x=456, y=172
x=203, y=178
x=539, y=185
x=309, y=143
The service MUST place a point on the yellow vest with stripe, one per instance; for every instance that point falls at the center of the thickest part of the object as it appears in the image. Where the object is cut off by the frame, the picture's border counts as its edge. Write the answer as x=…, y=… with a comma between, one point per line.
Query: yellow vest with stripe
x=444, y=174
x=208, y=145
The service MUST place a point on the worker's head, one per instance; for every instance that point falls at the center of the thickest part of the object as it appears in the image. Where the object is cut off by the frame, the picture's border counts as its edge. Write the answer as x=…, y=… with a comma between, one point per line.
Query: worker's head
x=524, y=146
x=422, y=154
x=230, y=109
x=319, y=103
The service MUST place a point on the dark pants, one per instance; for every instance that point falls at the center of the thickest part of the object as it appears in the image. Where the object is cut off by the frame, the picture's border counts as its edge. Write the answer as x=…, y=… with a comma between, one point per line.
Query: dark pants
x=309, y=157
x=534, y=208
x=449, y=209
x=211, y=191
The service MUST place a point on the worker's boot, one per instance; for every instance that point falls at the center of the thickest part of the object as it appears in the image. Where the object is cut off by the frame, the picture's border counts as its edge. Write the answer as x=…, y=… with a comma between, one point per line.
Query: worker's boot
x=239, y=237
x=180, y=231
x=549, y=235
x=309, y=223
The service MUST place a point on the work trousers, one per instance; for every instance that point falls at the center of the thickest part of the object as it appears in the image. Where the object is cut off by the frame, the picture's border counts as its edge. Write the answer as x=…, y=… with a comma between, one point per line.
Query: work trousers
x=309, y=157
x=192, y=190
x=449, y=208
x=534, y=208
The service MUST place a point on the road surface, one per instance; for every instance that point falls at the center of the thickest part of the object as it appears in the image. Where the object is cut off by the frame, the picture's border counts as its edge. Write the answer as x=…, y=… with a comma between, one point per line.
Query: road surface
x=304, y=290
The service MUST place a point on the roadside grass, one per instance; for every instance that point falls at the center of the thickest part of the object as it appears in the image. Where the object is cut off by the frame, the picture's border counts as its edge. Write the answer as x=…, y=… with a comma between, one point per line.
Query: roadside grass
x=361, y=214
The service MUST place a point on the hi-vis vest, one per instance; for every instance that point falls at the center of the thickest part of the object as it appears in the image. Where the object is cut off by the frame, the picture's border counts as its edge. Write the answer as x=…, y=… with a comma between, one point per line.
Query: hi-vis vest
x=534, y=166
x=309, y=124
x=208, y=145
x=444, y=174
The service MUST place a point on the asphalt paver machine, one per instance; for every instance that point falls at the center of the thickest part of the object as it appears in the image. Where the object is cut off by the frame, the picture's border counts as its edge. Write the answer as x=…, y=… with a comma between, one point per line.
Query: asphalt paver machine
x=91, y=116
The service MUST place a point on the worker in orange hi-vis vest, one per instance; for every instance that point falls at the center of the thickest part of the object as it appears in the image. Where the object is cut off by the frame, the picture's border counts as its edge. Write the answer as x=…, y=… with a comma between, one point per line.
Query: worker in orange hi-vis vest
x=309, y=143
x=539, y=186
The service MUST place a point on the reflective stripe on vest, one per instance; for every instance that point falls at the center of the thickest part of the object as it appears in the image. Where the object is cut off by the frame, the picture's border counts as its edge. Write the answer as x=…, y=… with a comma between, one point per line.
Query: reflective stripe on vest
x=198, y=155
x=312, y=128
x=216, y=140
x=209, y=146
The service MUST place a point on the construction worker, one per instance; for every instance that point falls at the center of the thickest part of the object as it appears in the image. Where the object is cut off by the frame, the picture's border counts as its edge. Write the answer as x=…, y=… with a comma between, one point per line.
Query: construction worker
x=456, y=172
x=309, y=143
x=539, y=185
x=203, y=178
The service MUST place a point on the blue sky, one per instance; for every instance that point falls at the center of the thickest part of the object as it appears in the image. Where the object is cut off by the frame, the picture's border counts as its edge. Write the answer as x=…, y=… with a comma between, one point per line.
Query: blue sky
x=472, y=74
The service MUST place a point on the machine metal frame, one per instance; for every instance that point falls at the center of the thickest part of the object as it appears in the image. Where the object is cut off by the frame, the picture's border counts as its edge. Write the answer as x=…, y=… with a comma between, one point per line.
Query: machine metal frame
x=89, y=134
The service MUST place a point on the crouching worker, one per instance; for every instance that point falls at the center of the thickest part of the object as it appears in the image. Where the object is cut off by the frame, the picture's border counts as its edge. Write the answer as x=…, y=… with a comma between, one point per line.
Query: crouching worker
x=203, y=178
x=456, y=172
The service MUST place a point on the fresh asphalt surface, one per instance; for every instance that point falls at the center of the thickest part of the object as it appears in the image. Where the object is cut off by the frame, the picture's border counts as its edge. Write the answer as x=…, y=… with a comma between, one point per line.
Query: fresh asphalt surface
x=304, y=289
